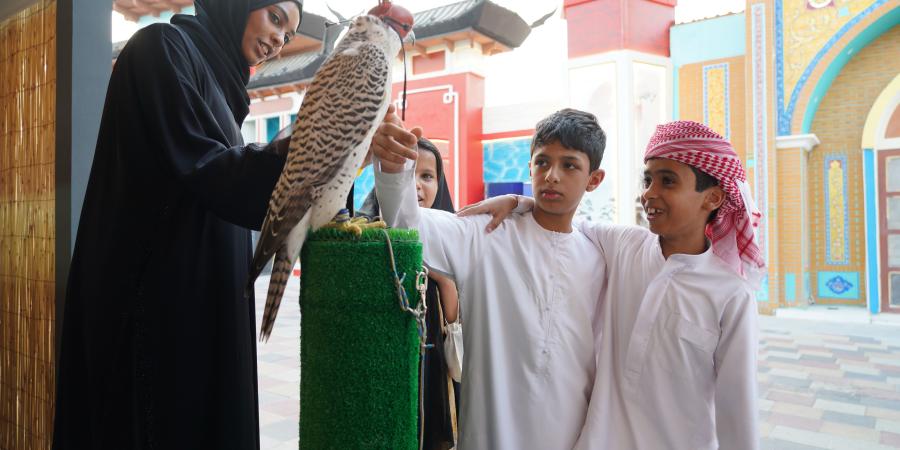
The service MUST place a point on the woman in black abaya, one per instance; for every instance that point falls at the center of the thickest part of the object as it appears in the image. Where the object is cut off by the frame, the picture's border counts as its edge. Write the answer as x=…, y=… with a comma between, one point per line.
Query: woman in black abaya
x=158, y=342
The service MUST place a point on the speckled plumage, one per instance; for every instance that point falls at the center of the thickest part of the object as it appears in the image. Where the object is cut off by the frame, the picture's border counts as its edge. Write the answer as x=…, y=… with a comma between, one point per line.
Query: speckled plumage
x=343, y=107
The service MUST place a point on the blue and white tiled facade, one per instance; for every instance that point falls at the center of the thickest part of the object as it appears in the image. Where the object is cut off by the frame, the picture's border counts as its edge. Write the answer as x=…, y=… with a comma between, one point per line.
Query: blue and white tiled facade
x=506, y=160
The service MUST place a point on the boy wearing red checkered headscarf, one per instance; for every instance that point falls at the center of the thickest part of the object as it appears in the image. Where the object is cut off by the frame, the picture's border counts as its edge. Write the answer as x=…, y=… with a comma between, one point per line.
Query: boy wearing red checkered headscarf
x=714, y=162
x=676, y=330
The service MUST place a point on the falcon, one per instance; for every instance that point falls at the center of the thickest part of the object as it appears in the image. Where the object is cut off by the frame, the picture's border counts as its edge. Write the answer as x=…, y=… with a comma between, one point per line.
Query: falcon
x=342, y=108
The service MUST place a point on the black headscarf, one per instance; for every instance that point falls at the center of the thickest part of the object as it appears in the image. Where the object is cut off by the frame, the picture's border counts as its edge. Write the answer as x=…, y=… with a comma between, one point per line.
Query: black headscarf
x=442, y=199
x=217, y=30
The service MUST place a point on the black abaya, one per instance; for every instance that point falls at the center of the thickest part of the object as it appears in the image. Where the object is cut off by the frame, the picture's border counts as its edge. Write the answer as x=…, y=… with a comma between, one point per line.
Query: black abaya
x=158, y=342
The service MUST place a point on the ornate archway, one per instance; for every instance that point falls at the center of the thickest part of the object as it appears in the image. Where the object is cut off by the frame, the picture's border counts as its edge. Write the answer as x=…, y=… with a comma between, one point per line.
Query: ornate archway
x=881, y=150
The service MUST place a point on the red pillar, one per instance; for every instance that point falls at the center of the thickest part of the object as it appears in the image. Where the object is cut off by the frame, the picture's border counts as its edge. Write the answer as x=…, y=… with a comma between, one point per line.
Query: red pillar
x=599, y=26
x=449, y=109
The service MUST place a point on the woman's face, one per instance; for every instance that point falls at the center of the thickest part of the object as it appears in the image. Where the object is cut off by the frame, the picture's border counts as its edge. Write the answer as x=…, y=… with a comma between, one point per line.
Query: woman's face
x=426, y=178
x=268, y=30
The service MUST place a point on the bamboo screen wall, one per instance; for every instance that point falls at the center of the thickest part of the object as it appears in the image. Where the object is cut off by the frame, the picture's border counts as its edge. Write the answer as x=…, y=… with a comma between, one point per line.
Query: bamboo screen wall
x=27, y=189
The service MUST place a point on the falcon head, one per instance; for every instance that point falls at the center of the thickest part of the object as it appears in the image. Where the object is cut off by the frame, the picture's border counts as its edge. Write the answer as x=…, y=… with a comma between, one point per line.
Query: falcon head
x=397, y=17
x=373, y=29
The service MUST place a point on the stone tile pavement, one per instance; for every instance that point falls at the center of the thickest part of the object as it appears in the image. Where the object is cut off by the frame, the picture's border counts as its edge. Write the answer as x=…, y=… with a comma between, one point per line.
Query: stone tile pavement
x=822, y=385
x=278, y=361
x=828, y=385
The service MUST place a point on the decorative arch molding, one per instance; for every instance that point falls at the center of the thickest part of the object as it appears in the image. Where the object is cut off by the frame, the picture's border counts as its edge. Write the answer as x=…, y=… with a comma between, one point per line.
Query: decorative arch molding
x=874, y=139
x=798, y=115
x=877, y=120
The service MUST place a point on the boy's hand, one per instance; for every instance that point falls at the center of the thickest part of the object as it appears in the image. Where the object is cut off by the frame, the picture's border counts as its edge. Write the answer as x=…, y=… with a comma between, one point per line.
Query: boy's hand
x=498, y=207
x=393, y=144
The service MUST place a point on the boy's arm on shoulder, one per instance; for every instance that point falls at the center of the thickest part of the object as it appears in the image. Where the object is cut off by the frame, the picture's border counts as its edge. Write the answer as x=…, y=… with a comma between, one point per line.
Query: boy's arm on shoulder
x=447, y=240
x=609, y=237
x=735, y=362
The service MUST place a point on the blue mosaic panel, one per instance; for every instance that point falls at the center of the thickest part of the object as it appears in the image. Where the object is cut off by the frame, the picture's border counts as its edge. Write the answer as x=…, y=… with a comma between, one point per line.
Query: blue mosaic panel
x=762, y=295
x=364, y=184
x=790, y=287
x=841, y=285
x=507, y=160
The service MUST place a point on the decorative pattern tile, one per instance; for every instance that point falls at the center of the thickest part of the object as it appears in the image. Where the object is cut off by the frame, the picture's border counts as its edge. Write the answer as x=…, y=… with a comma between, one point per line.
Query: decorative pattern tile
x=760, y=154
x=716, y=99
x=837, y=215
x=802, y=39
x=839, y=285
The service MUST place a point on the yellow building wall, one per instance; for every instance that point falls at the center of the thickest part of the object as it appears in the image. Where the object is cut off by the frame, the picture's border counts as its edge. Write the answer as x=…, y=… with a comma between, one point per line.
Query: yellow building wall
x=835, y=172
x=792, y=171
x=712, y=92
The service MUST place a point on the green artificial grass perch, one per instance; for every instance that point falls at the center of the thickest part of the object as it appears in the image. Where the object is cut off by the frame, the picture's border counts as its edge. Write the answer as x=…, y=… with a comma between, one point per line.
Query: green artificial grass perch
x=359, y=354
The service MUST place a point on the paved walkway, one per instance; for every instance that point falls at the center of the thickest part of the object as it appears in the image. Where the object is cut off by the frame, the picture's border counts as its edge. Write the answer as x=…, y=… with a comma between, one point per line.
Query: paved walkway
x=279, y=370
x=829, y=385
x=822, y=385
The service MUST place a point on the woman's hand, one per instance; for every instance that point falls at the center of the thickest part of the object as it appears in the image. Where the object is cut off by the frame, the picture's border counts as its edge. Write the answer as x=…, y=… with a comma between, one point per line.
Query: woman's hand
x=280, y=147
x=498, y=207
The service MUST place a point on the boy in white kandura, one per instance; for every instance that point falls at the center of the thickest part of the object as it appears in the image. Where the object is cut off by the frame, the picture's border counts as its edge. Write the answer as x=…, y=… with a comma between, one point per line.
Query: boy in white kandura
x=678, y=340
x=527, y=292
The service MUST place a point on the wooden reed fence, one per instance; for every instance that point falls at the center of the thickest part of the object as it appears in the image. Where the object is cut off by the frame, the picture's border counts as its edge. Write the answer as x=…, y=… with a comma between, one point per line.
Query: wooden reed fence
x=27, y=190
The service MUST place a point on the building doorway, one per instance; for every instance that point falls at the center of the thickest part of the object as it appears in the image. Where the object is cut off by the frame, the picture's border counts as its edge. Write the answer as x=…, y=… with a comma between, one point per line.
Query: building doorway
x=889, y=237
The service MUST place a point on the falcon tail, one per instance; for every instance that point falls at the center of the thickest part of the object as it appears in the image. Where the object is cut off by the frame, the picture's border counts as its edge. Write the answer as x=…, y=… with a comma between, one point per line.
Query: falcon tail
x=260, y=258
x=281, y=271
x=270, y=239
